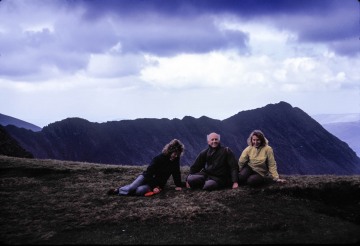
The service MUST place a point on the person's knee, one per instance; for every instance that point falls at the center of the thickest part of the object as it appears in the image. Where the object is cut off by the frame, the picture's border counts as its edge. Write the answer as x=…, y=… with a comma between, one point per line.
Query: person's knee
x=210, y=185
x=241, y=179
x=141, y=190
x=190, y=179
x=255, y=180
x=195, y=181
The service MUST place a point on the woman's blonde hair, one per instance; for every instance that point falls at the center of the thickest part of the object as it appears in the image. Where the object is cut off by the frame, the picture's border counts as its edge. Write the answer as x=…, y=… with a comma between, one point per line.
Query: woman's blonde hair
x=175, y=145
x=260, y=135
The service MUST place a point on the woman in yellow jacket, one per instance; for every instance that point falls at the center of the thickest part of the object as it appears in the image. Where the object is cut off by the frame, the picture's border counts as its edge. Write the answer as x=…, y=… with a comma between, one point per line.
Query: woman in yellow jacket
x=257, y=161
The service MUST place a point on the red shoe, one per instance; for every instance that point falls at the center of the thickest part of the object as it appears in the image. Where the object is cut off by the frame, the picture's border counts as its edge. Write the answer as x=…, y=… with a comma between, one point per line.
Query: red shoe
x=150, y=193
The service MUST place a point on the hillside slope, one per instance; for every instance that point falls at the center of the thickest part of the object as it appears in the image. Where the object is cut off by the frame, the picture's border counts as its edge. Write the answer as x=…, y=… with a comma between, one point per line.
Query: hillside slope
x=10, y=147
x=58, y=202
x=8, y=120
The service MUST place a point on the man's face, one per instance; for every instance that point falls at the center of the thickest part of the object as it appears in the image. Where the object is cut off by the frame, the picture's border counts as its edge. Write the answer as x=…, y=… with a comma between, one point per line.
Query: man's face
x=213, y=140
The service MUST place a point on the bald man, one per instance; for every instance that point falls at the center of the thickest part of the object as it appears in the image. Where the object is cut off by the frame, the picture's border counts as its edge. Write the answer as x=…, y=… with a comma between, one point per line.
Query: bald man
x=214, y=168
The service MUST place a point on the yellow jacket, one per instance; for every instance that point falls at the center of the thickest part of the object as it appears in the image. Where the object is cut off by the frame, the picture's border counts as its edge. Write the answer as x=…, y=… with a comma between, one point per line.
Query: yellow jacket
x=260, y=160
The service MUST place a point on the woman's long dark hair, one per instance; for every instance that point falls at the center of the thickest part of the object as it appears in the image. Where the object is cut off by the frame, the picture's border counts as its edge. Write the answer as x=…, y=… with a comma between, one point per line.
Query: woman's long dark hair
x=175, y=145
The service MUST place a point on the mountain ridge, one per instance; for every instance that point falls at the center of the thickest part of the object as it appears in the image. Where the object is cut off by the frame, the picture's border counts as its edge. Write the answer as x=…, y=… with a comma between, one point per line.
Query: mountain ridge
x=301, y=145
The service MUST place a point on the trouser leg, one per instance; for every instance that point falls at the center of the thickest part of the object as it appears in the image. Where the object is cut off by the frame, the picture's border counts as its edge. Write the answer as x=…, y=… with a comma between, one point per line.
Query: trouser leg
x=131, y=188
x=255, y=179
x=210, y=185
x=142, y=189
x=196, y=180
x=244, y=174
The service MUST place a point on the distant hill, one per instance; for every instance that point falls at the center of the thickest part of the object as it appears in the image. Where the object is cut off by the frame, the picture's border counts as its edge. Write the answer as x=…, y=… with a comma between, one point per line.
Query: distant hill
x=8, y=120
x=324, y=119
x=344, y=126
x=301, y=144
x=10, y=147
x=348, y=132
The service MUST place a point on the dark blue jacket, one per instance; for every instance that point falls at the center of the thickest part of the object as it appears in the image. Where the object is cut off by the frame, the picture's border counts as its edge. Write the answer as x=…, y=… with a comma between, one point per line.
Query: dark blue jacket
x=160, y=170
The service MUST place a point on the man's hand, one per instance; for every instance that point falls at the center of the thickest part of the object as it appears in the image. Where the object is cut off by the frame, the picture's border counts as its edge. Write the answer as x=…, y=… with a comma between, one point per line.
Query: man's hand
x=235, y=185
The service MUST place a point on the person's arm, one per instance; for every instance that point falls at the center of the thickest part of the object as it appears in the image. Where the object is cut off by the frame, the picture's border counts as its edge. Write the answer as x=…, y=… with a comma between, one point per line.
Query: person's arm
x=272, y=166
x=244, y=158
x=176, y=173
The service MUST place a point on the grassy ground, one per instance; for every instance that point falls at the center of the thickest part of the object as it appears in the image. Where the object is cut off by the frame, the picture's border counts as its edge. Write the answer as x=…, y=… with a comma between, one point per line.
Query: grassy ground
x=58, y=202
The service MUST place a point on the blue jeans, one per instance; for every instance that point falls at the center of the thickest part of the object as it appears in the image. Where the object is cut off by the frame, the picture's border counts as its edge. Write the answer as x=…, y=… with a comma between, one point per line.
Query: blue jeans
x=138, y=187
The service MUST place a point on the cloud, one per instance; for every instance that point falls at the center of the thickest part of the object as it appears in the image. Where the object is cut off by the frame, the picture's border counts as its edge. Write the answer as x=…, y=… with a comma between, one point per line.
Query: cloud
x=126, y=59
x=70, y=33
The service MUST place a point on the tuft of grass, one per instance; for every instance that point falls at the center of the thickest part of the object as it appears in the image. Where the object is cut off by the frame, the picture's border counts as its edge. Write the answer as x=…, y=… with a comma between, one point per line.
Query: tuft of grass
x=64, y=202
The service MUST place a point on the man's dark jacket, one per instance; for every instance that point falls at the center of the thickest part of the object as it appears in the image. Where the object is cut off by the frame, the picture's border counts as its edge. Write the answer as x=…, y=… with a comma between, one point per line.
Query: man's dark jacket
x=218, y=164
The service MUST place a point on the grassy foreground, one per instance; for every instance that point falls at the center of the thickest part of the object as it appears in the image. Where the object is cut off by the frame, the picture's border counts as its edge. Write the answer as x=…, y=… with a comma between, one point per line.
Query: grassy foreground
x=62, y=202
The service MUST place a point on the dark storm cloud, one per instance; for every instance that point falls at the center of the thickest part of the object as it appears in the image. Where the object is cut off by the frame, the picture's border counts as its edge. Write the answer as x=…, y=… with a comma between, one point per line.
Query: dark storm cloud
x=327, y=21
x=161, y=27
x=179, y=36
x=166, y=27
x=248, y=8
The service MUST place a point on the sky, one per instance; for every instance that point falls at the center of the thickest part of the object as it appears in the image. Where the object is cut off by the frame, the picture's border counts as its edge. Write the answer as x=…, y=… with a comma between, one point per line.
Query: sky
x=104, y=60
